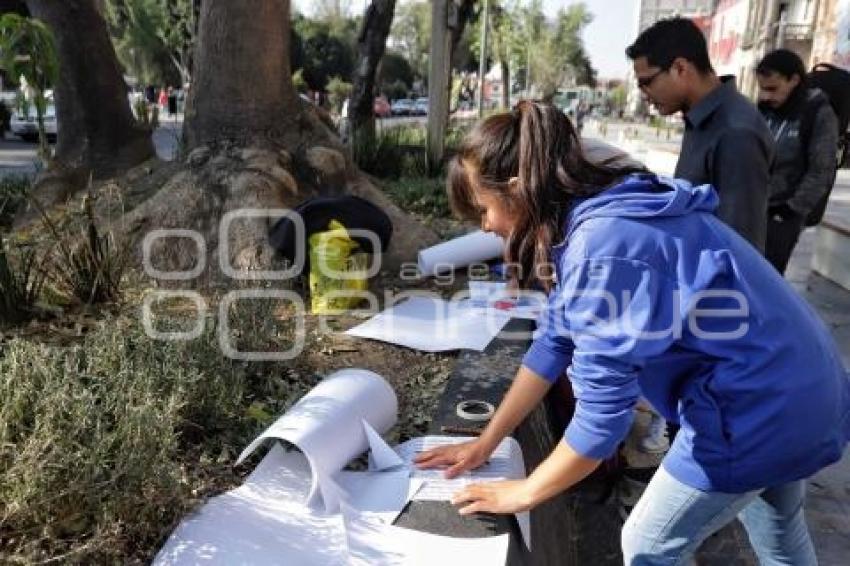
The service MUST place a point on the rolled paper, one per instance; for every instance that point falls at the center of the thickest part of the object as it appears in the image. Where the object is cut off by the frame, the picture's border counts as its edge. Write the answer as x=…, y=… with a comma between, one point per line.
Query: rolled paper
x=472, y=248
x=327, y=426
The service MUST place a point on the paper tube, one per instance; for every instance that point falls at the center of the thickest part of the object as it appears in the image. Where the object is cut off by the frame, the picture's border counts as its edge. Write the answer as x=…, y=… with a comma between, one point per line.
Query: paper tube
x=475, y=247
x=327, y=426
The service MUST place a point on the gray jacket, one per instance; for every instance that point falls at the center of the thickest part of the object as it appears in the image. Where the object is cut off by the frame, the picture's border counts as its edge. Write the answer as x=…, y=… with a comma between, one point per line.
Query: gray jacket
x=801, y=176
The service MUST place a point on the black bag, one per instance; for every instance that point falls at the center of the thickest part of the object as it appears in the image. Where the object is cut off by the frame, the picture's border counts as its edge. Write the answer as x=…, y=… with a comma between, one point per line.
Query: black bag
x=353, y=212
x=835, y=84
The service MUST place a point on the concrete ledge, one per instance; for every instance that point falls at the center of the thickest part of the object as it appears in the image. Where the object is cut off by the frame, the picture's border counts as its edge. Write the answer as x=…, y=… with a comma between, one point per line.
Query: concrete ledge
x=832, y=250
x=581, y=526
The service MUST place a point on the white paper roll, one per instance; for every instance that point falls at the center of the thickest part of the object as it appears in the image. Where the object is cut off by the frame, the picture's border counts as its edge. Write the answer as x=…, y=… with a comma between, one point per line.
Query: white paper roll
x=474, y=247
x=327, y=426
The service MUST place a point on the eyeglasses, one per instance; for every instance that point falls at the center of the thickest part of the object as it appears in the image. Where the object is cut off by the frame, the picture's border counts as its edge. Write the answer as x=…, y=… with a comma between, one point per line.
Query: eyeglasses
x=645, y=82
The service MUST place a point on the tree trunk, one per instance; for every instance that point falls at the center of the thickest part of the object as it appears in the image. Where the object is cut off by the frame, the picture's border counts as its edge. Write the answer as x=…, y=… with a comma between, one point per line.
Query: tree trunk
x=370, y=47
x=252, y=145
x=506, y=84
x=242, y=85
x=97, y=132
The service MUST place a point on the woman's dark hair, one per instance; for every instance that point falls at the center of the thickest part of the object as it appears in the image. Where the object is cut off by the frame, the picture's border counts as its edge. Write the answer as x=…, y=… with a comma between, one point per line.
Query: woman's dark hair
x=782, y=62
x=666, y=40
x=538, y=145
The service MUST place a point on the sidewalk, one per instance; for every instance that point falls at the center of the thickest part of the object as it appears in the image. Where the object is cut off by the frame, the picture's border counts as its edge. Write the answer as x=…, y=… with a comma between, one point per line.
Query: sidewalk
x=828, y=503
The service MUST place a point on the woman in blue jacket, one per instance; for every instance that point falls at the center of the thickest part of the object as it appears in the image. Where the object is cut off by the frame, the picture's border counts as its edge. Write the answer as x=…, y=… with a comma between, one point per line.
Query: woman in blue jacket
x=650, y=294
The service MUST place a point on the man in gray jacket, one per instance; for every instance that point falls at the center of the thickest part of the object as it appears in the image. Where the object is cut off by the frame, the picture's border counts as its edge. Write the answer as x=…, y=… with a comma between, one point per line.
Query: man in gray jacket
x=805, y=130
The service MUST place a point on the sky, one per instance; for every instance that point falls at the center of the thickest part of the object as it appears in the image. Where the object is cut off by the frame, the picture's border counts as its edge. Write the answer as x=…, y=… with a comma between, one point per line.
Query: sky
x=605, y=39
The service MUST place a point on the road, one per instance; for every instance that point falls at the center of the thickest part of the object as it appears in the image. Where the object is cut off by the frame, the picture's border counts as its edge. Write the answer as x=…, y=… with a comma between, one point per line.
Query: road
x=18, y=157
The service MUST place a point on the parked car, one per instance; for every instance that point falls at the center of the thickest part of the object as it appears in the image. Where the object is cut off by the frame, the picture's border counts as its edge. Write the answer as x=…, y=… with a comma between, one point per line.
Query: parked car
x=420, y=107
x=382, y=107
x=26, y=127
x=402, y=107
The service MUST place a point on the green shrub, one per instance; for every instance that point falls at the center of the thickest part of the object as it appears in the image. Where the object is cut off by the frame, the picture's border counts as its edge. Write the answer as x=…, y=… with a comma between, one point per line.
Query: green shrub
x=338, y=91
x=392, y=152
x=13, y=193
x=91, y=269
x=22, y=278
x=422, y=195
x=104, y=446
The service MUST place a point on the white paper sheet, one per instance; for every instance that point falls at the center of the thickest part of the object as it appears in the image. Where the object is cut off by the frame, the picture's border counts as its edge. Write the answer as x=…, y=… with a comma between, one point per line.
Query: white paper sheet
x=262, y=522
x=506, y=463
x=267, y=520
x=472, y=248
x=527, y=305
x=433, y=325
x=327, y=426
x=371, y=543
x=380, y=495
x=381, y=456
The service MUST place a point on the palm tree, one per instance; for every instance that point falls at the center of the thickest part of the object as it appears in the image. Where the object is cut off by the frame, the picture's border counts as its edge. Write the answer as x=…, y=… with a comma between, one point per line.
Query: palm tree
x=27, y=51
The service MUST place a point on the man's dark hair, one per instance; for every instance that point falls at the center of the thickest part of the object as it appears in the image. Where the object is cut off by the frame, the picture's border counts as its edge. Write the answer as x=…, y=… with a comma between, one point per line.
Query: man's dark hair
x=666, y=40
x=783, y=62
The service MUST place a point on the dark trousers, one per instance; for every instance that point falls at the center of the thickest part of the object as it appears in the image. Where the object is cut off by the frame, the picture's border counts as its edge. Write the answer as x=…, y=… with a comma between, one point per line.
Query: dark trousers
x=782, y=236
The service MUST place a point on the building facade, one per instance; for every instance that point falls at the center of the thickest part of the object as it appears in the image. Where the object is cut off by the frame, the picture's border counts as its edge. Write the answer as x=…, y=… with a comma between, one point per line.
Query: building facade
x=740, y=32
x=650, y=11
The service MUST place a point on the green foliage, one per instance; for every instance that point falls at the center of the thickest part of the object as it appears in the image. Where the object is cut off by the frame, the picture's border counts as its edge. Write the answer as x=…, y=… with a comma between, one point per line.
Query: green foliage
x=298, y=81
x=618, y=97
x=13, y=193
x=411, y=34
x=392, y=151
x=326, y=52
x=422, y=195
x=338, y=91
x=22, y=278
x=559, y=57
x=91, y=269
x=28, y=50
x=153, y=38
x=395, y=69
x=99, y=443
x=395, y=90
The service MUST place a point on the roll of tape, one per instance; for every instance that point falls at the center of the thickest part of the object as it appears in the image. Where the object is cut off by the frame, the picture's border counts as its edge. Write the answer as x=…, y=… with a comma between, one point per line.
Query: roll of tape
x=474, y=410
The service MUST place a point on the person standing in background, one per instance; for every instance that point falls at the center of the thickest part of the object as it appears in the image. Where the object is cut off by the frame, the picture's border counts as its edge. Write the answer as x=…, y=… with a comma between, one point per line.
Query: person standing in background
x=805, y=130
x=726, y=142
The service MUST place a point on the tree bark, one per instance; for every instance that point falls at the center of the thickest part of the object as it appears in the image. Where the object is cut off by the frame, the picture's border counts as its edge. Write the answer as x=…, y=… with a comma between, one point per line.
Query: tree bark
x=97, y=132
x=242, y=88
x=506, y=84
x=370, y=47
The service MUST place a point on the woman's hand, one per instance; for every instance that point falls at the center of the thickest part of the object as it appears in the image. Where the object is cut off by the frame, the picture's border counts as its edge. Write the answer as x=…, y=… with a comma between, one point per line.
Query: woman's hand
x=459, y=458
x=495, y=497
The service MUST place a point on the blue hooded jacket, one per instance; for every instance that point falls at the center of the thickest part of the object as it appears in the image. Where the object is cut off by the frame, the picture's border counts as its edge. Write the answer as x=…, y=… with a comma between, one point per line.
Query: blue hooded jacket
x=657, y=297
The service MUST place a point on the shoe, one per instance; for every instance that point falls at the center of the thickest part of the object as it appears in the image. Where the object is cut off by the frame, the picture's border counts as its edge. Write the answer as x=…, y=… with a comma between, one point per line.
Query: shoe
x=655, y=440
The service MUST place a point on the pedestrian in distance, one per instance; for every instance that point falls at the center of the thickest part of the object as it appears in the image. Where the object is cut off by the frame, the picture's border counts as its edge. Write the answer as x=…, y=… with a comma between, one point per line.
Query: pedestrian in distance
x=172, y=102
x=726, y=142
x=629, y=261
x=805, y=130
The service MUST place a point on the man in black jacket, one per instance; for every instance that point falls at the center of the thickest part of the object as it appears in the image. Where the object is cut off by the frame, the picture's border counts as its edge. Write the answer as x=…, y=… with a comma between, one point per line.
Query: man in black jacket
x=805, y=130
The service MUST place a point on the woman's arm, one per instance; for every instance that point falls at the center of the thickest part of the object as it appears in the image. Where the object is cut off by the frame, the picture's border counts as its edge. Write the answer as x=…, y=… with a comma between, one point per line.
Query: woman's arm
x=561, y=470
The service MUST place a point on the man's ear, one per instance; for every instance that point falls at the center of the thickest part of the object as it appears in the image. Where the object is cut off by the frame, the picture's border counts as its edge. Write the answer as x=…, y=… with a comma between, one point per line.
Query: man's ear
x=680, y=67
x=794, y=81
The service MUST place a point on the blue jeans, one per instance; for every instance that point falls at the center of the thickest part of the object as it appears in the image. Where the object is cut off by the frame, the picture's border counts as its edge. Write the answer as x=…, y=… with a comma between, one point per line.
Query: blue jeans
x=672, y=519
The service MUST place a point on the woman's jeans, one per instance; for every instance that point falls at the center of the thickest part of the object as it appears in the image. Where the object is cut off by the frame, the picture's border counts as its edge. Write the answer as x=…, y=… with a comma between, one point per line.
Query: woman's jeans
x=672, y=519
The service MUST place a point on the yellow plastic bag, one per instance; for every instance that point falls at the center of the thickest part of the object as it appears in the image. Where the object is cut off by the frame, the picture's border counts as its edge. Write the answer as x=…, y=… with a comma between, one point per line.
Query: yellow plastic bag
x=335, y=271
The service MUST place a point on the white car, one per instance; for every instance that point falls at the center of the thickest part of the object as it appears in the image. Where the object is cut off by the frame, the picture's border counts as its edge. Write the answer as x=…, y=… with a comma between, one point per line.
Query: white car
x=26, y=127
